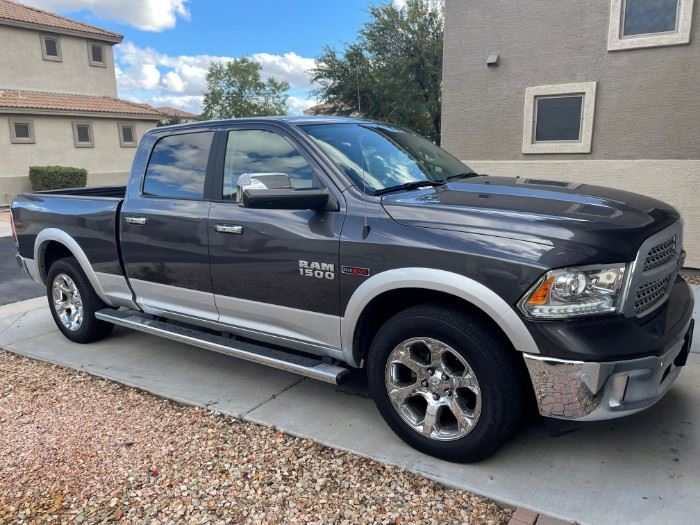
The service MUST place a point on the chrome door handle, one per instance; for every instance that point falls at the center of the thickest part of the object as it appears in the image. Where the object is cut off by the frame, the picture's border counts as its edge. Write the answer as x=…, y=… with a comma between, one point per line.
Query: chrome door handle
x=135, y=220
x=234, y=229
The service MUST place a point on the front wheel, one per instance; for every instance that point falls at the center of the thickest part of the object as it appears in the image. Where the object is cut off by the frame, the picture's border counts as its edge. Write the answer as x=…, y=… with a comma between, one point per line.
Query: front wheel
x=445, y=383
x=73, y=302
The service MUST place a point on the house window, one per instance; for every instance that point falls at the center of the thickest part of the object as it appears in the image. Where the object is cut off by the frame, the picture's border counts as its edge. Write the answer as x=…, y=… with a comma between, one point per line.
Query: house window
x=649, y=23
x=96, y=54
x=127, y=135
x=559, y=118
x=82, y=135
x=21, y=131
x=51, y=48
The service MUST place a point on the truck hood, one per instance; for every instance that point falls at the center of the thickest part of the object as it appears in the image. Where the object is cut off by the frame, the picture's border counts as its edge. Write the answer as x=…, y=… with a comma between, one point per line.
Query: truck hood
x=603, y=223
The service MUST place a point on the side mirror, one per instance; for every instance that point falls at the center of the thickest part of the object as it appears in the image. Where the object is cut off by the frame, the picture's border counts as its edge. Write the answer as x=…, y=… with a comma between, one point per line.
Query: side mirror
x=285, y=199
x=273, y=191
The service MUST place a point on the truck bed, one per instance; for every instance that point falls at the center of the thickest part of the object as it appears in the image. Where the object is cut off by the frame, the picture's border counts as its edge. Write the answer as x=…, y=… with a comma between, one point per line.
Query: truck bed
x=114, y=192
x=88, y=215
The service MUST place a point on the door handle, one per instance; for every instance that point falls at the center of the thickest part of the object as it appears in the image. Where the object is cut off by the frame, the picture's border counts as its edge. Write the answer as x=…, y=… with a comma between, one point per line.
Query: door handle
x=234, y=229
x=136, y=220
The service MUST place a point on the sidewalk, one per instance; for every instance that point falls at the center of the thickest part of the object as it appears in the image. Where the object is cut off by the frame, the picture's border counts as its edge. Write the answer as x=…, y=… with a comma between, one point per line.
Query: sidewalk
x=644, y=469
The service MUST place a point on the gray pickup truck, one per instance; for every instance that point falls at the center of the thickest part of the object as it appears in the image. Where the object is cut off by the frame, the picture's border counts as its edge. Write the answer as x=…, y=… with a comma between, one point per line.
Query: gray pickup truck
x=318, y=245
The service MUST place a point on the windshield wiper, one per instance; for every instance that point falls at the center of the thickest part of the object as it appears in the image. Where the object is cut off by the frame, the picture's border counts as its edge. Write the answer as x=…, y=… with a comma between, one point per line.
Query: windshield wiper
x=465, y=175
x=410, y=186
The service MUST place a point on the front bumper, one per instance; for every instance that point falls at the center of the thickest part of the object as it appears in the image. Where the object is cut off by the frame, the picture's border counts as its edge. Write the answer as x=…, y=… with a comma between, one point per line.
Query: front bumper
x=591, y=391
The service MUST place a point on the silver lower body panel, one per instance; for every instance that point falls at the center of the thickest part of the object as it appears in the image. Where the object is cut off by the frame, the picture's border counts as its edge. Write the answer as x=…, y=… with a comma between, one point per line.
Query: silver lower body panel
x=589, y=391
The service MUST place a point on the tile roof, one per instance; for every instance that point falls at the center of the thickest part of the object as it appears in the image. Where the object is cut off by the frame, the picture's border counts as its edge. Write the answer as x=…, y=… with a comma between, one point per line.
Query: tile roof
x=12, y=13
x=175, y=112
x=15, y=99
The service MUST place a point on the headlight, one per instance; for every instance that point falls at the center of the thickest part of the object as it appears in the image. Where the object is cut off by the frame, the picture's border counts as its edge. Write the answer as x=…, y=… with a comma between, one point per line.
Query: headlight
x=573, y=292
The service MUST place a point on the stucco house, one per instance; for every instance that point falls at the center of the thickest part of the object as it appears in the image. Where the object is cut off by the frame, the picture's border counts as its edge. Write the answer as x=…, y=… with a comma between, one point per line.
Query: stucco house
x=602, y=92
x=58, y=100
x=176, y=115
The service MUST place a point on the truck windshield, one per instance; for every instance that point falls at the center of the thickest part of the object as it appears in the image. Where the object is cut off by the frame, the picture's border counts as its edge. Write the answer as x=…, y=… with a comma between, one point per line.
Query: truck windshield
x=379, y=158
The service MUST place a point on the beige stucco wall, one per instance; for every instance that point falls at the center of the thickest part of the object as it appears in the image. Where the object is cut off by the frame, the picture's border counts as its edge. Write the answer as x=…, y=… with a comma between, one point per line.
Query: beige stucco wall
x=22, y=65
x=674, y=181
x=106, y=163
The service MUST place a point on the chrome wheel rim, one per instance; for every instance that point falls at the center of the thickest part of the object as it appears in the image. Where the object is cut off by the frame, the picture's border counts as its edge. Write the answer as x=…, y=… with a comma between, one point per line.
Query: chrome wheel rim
x=67, y=302
x=433, y=388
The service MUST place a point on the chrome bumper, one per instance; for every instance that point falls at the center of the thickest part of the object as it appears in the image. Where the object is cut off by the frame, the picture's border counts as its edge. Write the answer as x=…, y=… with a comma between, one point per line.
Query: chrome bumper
x=585, y=391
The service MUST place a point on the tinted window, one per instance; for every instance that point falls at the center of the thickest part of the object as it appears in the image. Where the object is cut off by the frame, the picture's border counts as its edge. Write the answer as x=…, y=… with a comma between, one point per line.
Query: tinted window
x=96, y=53
x=376, y=157
x=650, y=16
x=22, y=130
x=558, y=118
x=83, y=131
x=127, y=134
x=51, y=47
x=178, y=166
x=254, y=151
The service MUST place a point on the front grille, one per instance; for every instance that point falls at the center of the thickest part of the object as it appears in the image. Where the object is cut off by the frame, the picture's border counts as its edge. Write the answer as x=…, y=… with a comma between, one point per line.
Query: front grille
x=649, y=294
x=660, y=254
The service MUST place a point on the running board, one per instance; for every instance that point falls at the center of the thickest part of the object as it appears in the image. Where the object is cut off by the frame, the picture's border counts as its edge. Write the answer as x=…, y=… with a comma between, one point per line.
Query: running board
x=260, y=354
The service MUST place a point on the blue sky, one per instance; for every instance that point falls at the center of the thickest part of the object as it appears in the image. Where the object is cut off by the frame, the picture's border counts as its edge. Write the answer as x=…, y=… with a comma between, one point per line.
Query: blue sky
x=168, y=44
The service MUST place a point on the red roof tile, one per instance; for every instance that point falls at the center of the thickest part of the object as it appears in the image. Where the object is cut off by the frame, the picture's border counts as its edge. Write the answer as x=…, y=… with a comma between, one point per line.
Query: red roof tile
x=42, y=101
x=13, y=13
x=175, y=112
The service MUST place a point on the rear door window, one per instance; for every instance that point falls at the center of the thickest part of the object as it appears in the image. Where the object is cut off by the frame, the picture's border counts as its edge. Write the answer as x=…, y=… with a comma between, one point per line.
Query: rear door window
x=178, y=165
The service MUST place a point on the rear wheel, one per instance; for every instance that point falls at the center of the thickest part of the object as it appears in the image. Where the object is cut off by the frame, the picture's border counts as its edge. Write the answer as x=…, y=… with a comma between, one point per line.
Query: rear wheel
x=73, y=302
x=445, y=383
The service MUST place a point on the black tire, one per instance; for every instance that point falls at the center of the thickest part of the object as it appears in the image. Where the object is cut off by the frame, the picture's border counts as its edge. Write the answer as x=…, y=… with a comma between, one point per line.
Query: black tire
x=90, y=329
x=494, y=363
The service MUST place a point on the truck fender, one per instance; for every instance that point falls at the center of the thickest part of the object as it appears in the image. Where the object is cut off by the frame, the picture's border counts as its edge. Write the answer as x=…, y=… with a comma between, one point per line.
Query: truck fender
x=54, y=234
x=440, y=281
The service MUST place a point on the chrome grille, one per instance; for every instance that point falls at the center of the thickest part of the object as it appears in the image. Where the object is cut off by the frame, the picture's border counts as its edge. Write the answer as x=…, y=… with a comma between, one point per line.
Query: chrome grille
x=660, y=254
x=649, y=294
x=653, y=272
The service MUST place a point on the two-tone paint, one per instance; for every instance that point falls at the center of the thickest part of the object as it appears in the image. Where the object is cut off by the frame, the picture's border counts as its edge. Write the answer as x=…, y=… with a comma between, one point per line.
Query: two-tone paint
x=483, y=241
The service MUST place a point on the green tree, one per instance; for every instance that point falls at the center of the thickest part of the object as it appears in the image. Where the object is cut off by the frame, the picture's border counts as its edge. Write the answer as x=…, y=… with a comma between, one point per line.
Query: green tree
x=393, y=70
x=236, y=89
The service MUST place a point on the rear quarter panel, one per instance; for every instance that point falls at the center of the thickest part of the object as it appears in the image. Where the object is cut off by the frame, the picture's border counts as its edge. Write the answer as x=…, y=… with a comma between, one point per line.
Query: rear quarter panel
x=91, y=221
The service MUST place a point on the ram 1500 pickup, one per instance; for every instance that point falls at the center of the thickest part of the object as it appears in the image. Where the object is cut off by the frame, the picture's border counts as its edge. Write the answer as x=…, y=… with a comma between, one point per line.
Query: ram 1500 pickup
x=317, y=245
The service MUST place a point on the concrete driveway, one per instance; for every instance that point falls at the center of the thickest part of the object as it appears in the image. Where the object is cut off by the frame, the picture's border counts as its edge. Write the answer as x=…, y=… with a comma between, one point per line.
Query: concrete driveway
x=15, y=285
x=644, y=469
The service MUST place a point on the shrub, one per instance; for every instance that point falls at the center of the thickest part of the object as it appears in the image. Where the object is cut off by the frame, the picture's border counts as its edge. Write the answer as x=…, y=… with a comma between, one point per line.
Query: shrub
x=56, y=177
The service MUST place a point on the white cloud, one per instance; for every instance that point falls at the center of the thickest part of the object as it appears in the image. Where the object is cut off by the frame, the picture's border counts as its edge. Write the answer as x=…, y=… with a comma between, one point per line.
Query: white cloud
x=147, y=15
x=297, y=105
x=159, y=79
x=399, y=4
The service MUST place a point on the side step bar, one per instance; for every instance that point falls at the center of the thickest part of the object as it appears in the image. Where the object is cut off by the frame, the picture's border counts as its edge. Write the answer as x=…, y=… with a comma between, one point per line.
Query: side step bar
x=260, y=354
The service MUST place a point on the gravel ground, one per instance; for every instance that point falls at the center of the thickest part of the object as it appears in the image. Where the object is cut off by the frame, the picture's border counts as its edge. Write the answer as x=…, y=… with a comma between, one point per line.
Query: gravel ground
x=692, y=276
x=77, y=449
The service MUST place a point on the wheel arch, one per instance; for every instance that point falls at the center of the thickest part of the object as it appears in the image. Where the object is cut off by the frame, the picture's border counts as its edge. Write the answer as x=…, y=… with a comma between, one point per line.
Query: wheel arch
x=428, y=285
x=51, y=242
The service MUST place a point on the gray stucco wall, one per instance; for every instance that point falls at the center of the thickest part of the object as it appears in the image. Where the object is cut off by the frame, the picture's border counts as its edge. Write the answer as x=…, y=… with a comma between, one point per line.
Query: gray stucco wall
x=23, y=67
x=648, y=102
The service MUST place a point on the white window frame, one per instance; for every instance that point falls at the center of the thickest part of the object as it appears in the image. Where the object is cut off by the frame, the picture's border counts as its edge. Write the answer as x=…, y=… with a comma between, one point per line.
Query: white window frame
x=45, y=56
x=78, y=144
x=122, y=143
x=104, y=54
x=585, y=89
x=14, y=139
x=681, y=36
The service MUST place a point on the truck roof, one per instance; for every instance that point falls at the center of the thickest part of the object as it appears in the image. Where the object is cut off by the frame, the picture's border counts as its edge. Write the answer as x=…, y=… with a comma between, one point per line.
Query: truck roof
x=293, y=120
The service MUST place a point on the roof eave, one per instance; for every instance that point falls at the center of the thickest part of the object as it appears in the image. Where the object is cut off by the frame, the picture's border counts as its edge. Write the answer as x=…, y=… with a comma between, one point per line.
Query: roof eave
x=71, y=113
x=110, y=39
